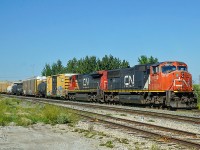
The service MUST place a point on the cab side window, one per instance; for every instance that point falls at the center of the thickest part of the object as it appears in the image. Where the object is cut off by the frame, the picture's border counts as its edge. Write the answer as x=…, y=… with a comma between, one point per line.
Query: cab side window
x=155, y=69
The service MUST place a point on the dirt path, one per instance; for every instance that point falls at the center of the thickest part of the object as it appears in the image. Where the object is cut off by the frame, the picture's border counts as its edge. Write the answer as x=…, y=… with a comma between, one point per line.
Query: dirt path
x=44, y=137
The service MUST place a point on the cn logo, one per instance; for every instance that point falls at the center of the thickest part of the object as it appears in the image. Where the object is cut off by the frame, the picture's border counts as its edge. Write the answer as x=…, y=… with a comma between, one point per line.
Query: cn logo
x=85, y=82
x=128, y=81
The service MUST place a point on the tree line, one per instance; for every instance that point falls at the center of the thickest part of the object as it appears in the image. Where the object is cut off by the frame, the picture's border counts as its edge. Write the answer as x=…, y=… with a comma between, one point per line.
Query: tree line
x=90, y=64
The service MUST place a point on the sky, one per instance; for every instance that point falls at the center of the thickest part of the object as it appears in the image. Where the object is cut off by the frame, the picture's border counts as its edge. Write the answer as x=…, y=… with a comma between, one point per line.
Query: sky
x=36, y=32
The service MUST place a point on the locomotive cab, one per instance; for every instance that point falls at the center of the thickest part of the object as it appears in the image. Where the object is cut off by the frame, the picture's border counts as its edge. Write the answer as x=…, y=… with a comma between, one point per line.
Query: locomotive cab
x=170, y=76
x=174, y=81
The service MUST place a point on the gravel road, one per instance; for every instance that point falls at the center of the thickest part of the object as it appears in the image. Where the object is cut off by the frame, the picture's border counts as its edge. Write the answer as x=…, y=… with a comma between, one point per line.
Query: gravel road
x=86, y=135
x=44, y=137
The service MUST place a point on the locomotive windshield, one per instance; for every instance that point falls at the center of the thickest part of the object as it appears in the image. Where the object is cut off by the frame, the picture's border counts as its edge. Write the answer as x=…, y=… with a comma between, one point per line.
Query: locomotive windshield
x=182, y=68
x=168, y=69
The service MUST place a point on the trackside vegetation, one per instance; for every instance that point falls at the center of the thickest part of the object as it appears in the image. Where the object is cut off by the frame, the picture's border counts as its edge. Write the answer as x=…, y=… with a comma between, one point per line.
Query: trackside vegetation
x=196, y=88
x=22, y=113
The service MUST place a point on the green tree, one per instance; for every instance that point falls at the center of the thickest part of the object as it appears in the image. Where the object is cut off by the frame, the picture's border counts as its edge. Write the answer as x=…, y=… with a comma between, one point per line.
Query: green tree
x=110, y=62
x=47, y=70
x=152, y=60
x=72, y=66
x=145, y=60
x=55, y=68
x=85, y=65
x=124, y=64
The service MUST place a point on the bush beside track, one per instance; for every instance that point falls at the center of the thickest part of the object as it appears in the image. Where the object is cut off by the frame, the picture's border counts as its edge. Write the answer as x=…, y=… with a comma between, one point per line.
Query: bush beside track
x=197, y=92
x=18, y=112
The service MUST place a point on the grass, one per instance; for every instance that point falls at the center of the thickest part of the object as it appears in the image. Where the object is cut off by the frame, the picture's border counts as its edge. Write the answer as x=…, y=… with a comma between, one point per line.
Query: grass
x=26, y=113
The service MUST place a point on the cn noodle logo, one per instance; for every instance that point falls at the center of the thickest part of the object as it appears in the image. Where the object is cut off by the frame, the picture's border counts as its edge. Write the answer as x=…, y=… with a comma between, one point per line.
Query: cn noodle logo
x=128, y=81
x=85, y=82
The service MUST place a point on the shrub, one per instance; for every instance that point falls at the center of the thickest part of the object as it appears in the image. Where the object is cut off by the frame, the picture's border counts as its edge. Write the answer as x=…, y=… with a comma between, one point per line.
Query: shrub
x=196, y=88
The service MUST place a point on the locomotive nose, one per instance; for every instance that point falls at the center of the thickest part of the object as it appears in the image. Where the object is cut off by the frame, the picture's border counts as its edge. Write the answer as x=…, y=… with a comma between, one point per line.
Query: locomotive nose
x=182, y=81
x=182, y=74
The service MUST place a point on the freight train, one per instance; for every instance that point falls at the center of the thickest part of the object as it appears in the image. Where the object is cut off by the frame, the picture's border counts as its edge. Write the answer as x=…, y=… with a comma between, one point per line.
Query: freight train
x=165, y=84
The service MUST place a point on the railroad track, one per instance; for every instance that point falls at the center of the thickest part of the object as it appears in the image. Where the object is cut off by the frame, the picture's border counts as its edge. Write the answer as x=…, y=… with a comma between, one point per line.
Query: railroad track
x=172, y=135
x=139, y=112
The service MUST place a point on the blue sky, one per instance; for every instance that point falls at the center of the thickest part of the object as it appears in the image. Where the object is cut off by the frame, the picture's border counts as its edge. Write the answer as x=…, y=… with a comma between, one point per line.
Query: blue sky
x=35, y=32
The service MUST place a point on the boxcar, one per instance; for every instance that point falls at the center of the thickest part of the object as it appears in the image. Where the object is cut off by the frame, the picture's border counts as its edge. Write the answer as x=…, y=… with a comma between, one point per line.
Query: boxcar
x=30, y=86
x=57, y=85
x=4, y=85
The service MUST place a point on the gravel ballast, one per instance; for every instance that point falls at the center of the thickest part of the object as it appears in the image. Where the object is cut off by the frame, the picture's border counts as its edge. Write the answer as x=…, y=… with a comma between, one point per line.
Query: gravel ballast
x=45, y=137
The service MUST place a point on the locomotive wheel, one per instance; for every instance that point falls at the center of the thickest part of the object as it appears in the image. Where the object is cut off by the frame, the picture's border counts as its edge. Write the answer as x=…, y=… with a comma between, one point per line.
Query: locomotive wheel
x=106, y=98
x=101, y=99
x=94, y=98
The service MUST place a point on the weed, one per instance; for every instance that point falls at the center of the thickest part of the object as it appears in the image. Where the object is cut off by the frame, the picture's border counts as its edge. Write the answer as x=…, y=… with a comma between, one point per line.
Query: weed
x=122, y=140
x=151, y=121
x=91, y=127
x=101, y=134
x=137, y=147
x=136, y=143
x=63, y=119
x=108, y=144
x=108, y=114
x=90, y=134
x=155, y=147
x=76, y=130
x=80, y=130
x=123, y=114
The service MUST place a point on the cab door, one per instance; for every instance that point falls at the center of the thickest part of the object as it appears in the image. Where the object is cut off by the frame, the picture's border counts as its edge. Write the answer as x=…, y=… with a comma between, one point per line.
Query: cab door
x=155, y=79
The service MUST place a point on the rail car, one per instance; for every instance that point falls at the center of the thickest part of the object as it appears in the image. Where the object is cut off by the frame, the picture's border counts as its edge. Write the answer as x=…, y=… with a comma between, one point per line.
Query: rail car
x=4, y=86
x=164, y=84
x=32, y=86
x=57, y=85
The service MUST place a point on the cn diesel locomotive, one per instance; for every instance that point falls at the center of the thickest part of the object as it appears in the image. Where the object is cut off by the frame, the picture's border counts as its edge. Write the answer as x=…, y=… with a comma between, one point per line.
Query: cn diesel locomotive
x=165, y=84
